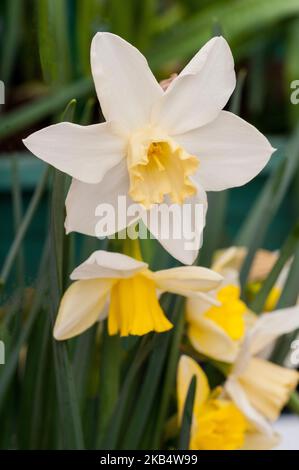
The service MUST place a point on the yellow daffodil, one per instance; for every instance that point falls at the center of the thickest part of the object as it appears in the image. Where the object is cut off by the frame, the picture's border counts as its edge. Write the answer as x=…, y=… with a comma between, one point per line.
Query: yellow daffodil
x=257, y=385
x=217, y=422
x=156, y=145
x=217, y=330
x=125, y=290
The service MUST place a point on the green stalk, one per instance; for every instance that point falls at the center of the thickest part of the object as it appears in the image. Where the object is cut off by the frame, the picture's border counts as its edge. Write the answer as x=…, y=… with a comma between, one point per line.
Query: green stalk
x=151, y=382
x=184, y=438
x=109, y=384
x=285, y=253
x=169, y=381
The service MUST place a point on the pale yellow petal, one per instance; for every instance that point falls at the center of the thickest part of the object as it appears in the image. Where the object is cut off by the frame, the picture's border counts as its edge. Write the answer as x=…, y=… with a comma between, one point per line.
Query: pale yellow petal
x=187, y=368
x=81, y=306
x=268, y=386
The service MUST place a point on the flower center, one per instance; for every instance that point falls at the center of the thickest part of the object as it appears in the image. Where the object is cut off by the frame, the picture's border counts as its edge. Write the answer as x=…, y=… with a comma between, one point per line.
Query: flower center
x=135, y=309
x=157, y=167
x=230, y=314
x=219, y=426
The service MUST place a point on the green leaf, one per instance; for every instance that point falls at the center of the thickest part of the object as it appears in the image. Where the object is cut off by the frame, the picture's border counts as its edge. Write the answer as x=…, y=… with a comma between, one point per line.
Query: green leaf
x=113, y=431
x=237, y=18
x=255, y=227
x=53, y=41
x=109, y=386
x=12, y=30
x=286, y=252
x=184, y=438
x=151, y=382
x=29, y=114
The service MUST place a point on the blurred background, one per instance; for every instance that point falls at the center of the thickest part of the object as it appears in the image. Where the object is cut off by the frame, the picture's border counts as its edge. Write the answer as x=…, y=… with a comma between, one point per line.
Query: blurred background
x=45, y=63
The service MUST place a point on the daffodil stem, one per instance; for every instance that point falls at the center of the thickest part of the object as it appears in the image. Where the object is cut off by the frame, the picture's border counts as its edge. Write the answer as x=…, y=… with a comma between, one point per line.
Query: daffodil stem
x=169, y=381
x=109, y=378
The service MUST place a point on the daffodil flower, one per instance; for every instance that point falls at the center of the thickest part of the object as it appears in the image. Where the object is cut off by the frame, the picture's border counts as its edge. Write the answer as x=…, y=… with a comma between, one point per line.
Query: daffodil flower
x=155, y=146
x=218, y=330
x=129, y=289
x=217, y=422
x=259, y=387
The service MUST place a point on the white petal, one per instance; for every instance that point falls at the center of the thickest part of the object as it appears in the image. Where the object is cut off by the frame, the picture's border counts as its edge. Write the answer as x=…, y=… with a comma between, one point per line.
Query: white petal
x=189, y=279
x=105, y=264
x=201, y=90
x=179, y=227
x=88, y=204
x=83, y=152
x=231, y=152
x=270, y=326
x=81, y=306
x=125, y=85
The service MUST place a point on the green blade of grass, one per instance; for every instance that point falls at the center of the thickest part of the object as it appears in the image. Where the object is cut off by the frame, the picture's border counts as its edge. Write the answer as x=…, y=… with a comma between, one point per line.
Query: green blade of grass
x=109, y=386
x=286, y=252
x=113, y=432
x=185, y=432
x=254, y=230
x=169, y=382
x=12, y=32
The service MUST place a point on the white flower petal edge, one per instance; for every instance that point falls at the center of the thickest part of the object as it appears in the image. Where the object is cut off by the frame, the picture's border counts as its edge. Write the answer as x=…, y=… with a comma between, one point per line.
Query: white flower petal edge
x=105, y=264
x=270, y=326
x=126, y=87
x=183, y=247
x=231, y=151
x=87, y=204
x=200, y=91
x=84, y=152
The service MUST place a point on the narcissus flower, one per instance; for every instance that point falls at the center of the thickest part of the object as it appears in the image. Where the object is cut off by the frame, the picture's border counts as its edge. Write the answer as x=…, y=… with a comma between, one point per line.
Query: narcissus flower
x=217, y=422
x=130, y=291
x=218, y=330
x=155, y=146
x=259, y=387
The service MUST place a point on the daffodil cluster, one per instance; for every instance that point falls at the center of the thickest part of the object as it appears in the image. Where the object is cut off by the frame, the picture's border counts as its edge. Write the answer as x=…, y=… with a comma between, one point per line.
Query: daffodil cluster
x=169, y=145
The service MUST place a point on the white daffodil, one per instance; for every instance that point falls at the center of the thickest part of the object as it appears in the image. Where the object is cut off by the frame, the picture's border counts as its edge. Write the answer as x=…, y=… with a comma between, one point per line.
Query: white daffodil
x=155, y=146
x=129, y=289
x=217, y=422
x=258, y=387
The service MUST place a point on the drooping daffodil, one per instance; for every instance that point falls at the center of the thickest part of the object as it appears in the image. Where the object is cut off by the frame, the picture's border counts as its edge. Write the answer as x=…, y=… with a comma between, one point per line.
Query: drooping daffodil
x=259, y=387
x=217, y=422
x=155, y=146
x=125, y=290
